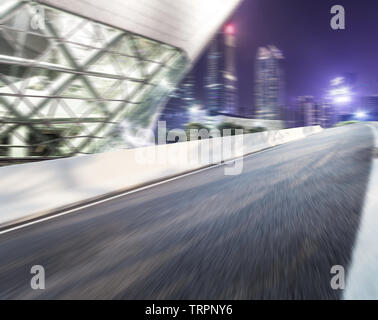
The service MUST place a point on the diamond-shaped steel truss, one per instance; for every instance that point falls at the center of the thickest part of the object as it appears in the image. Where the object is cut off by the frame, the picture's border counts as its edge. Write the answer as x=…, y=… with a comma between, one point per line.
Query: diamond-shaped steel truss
x=66, y=86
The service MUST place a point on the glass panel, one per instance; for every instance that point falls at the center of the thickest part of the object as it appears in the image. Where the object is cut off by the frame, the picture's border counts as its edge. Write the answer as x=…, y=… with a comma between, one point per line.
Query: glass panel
x=78, y=89
x=124, y=47
x=80, y=54
x=150, y=50
x=108, y=88
x=65, y=24
x=92, y=34
x=54, y=57
x=44, y=143
x=4, y=148
x=118, y=65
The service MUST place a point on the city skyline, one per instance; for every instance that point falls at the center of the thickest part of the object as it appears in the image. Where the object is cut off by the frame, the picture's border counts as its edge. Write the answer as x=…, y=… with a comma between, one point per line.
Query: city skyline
x=315, y=54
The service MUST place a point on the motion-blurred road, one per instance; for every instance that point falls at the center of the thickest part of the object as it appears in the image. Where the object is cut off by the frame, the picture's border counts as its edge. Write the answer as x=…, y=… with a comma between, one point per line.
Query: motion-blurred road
x=273, y=232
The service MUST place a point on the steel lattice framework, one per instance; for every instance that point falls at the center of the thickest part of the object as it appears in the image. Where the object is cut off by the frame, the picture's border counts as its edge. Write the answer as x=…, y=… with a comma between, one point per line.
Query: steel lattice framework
x=67, y=83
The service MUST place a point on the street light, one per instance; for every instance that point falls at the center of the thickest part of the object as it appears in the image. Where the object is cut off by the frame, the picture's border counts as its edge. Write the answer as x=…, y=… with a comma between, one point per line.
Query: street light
x=337, y=81
x=340, y=91
x=361, y=115
x=230, y=29
x=195, y=113
x=341, y=95
x=342, y=99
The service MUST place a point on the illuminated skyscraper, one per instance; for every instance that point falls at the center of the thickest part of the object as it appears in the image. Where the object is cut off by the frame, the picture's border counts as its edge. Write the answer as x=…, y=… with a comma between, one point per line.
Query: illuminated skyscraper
x=310, y=112
x=269, y=88
x=214, y=77
x=177, y=111
x=221, y=84
x=370, y=107
x=341, y=95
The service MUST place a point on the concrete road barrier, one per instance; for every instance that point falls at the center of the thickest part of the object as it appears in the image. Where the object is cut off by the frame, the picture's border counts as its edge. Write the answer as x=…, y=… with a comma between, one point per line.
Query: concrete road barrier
x=32, y=190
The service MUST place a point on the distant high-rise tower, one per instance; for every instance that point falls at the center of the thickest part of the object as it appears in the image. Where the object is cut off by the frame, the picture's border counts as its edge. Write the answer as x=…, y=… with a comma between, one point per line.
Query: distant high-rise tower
x=221, y=82
x=309, y=111
x=370, y=107
x=341, y=95
x=176, y=112
x=230, y=78
x=214, y=86
x=187, y=90
x=269, y=83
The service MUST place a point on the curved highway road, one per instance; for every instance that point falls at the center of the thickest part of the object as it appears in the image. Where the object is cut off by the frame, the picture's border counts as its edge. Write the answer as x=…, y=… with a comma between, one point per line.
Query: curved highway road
x=273, y=232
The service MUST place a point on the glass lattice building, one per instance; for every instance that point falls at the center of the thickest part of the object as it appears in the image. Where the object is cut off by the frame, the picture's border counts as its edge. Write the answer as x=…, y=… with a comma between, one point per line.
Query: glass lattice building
x=74, y=73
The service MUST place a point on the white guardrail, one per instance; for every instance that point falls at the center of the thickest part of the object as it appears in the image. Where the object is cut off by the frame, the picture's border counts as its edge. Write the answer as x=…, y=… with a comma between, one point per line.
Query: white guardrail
x=31, y=190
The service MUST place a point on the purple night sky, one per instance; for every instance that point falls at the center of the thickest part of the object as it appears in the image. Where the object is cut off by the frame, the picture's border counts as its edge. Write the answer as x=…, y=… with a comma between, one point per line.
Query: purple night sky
x=314, y=52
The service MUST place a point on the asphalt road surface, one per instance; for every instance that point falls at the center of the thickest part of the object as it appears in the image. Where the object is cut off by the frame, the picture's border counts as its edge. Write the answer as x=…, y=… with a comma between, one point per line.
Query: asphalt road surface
x=273, y=232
